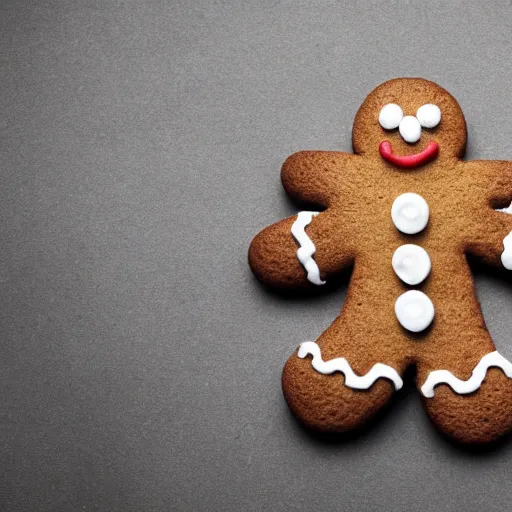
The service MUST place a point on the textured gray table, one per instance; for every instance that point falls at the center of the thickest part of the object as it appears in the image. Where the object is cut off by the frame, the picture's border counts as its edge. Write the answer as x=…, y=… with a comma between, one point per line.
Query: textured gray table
x=140, y=148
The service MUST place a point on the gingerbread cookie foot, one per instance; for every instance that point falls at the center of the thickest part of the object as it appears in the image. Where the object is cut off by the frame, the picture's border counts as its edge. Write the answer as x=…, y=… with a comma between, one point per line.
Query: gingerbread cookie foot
x=329, y=396
x=475, y=418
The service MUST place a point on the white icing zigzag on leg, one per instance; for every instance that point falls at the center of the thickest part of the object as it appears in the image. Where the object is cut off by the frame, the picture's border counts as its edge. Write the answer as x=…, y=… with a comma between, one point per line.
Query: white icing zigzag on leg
x=340, y=364
x=463, y=387
x=307, y=247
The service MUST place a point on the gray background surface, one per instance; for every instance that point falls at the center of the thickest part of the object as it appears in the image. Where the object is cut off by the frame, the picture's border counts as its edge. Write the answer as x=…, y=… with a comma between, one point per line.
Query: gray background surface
x=140, y=148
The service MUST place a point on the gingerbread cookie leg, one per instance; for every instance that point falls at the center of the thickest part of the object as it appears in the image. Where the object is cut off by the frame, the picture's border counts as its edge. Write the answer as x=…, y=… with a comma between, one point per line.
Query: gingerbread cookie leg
x=465, y=383
x=342, y=380
x=473, y=406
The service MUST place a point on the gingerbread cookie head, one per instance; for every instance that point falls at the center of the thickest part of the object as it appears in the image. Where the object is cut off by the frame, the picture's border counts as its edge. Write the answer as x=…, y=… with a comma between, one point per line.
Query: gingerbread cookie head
x=409, y=122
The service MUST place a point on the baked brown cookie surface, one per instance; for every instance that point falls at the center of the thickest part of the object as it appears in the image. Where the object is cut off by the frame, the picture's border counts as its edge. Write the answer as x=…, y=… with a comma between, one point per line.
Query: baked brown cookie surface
x=405, y=211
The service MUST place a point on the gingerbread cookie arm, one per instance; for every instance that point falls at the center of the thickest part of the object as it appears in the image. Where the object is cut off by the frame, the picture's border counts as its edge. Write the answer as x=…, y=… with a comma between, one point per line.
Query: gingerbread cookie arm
x=300, y=251
x=491, y=180
x=490, y=186
x=492, y=241
x=315, y=177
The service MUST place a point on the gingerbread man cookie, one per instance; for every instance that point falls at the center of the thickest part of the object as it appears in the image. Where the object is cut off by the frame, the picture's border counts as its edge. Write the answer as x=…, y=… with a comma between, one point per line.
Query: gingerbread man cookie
x=404, y=211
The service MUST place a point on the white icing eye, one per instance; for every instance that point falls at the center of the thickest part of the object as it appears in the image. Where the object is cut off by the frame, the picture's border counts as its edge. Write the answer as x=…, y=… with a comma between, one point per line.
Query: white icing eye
x=390, y=116
x=410, y=129
x=429, y=115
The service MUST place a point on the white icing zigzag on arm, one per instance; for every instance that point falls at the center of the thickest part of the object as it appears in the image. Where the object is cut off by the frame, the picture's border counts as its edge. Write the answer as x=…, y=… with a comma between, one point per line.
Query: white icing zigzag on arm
x=506, y=257
x=463, y=387
x=307, y=247
x=340, y=364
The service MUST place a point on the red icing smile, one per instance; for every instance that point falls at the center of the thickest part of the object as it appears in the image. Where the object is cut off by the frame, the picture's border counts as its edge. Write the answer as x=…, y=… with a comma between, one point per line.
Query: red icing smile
x=408, y=161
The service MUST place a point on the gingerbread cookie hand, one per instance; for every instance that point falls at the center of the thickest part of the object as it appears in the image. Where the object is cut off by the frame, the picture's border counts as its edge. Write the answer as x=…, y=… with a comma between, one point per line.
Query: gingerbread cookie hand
x=492, y=239
x=405, y=210
x=489, y=232
x=290, y=253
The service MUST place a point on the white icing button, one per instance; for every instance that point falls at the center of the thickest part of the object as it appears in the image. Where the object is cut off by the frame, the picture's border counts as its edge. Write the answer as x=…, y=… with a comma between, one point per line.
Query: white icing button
x=410, y=129
x=411, y=263
x=390, y=116
x=410, y=213
x=506, y=257
x=414, y=310
x=429, y=115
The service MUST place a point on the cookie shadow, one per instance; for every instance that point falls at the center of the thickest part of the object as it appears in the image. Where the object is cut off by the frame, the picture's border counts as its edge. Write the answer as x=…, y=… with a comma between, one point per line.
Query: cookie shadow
x=337, y=283
x=499, y=274
x=479, y=451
